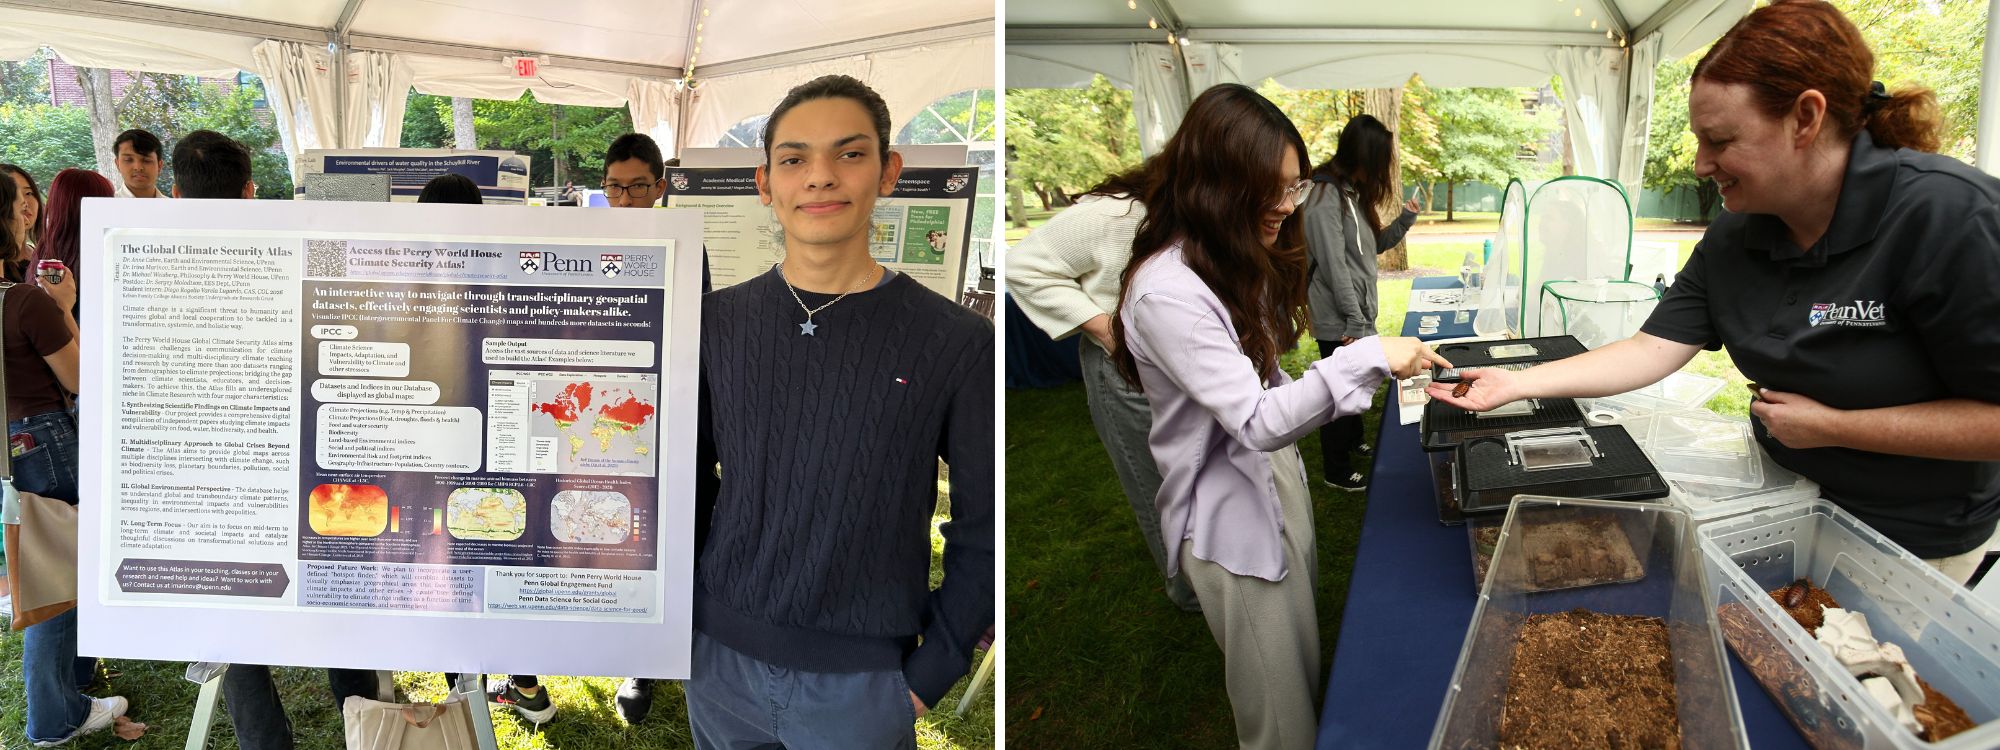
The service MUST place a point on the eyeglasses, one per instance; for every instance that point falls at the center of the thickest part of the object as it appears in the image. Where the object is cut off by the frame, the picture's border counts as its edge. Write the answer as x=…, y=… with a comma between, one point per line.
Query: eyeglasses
x=615, y=190
x=1296, y=194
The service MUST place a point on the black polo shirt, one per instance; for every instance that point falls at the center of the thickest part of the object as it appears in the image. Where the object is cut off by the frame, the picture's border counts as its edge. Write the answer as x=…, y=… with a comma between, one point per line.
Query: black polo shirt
x=1898, y=304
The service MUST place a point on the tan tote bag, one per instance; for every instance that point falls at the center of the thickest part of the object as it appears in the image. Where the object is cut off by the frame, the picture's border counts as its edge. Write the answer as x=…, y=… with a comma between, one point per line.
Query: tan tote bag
x=377, y=725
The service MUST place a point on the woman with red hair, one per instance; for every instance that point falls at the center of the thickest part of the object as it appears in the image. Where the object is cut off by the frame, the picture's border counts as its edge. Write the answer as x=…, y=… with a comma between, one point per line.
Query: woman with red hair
x=62, y=218
x=1851, y=279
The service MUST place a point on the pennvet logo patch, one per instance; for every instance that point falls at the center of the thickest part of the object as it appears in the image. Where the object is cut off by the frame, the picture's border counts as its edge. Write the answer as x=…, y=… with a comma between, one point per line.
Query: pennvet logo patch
x=1862, y=313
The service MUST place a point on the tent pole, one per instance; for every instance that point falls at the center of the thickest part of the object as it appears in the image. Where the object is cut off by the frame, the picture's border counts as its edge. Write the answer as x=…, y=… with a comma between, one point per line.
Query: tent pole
x=1987, y=138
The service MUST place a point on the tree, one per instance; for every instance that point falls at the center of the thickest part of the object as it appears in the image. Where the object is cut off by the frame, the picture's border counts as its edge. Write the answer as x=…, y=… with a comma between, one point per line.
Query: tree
x=45, y=140
x=1938, y=44
x=1670, y=147
x=1419, y=148
x=545, y=133
x=1319, y=114
x=1481, y=133
x=1066, y=140
x=26, y=82
x=422, y=127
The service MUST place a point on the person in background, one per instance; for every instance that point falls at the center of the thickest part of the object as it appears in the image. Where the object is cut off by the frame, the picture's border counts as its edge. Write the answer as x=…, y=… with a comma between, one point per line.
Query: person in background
x=62, y=223
x=1851, y=281
x=42, y=373
x=1214, y=294
x=29, y=234
x=139, y=162
x=1343, y=235
x=1066, y=276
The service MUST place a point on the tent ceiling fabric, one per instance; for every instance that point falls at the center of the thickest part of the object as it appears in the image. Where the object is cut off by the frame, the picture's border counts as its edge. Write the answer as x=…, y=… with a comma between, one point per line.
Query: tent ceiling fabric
x=1515, y=15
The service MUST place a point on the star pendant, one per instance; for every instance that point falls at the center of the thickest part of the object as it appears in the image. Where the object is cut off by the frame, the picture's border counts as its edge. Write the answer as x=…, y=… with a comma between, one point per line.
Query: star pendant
x=806, y=328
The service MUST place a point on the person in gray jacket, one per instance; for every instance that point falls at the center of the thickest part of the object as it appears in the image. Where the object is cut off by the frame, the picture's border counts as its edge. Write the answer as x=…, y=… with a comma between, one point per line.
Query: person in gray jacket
x=1344, y=233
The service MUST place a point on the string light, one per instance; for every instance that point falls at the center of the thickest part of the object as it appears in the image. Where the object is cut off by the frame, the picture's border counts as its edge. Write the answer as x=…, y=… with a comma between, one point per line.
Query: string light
x=1170, y=37
x=1578, y=13
x=1152, y=23
x=1131, y=4
x=1607, y=35
x=1593, y=25
x=1184, y=41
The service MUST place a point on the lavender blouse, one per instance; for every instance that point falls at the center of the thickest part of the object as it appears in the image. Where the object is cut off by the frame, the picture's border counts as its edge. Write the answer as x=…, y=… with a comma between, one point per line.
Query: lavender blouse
x=1214, y=419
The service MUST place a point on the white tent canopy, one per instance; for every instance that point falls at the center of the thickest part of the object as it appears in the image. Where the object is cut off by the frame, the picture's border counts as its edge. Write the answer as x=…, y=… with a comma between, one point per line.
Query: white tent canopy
x=1321, y=45
x=742, y=55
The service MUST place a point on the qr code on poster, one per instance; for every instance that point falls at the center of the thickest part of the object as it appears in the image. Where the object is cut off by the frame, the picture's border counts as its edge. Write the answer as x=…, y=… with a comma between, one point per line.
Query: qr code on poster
x=326, y=258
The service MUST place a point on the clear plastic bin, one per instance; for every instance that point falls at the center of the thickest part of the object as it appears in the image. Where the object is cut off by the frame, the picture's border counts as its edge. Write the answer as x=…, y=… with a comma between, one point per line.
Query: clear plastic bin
x=1949, y=636
x=1705, y=447
x=1669, y=586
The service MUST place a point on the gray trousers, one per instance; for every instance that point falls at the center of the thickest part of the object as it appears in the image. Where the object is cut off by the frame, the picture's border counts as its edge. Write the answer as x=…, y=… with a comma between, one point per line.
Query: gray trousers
x=1123, y=418
x=1269, y=630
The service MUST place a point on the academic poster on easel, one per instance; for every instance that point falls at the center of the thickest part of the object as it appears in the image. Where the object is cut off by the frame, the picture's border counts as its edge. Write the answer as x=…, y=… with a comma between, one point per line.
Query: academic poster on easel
x=920, y=230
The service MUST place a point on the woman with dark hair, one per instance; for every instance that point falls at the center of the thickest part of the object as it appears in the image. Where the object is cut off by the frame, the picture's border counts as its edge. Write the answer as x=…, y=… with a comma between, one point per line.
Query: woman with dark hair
x=451, y=188
x=1852, y=280
x=62, y=223
x=40, y=341
x=30, y=231
x=1344, y=233
x=1214, y=294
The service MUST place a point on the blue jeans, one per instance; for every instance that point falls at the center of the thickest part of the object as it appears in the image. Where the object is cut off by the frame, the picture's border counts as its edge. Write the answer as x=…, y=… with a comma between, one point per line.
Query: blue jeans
x=54, y=676
x=50, y=468
x=736, y=702
x=52, y=672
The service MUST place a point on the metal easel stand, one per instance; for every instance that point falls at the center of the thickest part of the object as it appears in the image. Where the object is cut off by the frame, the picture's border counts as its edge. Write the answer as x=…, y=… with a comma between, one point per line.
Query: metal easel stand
x=208, y=675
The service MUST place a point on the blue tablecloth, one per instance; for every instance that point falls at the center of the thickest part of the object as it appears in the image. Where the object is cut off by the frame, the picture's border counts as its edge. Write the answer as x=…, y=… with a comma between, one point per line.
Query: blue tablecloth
x=1435, y=282
x=1447, y=329
x=1033, y=360
x=1408, y=605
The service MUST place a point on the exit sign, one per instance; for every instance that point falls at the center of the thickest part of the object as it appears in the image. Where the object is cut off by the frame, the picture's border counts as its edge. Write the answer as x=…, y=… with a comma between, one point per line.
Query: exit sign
x=525, y=67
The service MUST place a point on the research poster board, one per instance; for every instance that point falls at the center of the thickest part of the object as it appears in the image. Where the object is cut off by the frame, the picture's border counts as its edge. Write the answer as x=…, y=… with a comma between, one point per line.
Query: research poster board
x=502, y=176
x=920, y=230
x=390, y=436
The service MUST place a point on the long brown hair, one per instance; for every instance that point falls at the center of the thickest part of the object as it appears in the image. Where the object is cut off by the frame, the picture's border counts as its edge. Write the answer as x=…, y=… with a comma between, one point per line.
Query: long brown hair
x=1784, y=49
x=1208, y=190
x=1362, y=161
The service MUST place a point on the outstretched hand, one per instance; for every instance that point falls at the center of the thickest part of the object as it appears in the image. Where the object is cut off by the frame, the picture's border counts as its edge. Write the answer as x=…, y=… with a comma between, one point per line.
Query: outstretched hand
x=1485, y=390
x=1409, y=356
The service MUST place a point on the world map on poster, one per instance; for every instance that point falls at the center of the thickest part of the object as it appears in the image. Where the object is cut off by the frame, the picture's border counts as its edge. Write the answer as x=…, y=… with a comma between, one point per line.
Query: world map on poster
x=582, y=517
x=599, y=428
x=486, y=513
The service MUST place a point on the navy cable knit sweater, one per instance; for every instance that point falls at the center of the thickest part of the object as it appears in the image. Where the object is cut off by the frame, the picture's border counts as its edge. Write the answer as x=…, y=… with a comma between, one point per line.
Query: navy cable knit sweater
x=817, y=553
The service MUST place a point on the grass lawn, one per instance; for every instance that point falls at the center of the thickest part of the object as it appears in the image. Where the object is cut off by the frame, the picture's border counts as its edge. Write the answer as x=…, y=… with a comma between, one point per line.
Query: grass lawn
x=1100, y=658
x=586, y=718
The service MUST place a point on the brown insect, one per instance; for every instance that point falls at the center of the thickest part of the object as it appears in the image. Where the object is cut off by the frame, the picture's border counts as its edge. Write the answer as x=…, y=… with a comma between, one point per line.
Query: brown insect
x=1795, y=594
x=1464, y=387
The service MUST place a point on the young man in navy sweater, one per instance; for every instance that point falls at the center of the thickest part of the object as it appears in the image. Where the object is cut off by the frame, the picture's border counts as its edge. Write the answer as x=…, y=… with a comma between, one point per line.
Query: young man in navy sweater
x=833, y=387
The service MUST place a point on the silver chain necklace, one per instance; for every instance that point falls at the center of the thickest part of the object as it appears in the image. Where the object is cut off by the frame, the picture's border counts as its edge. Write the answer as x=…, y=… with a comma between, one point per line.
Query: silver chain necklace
x=806, y=328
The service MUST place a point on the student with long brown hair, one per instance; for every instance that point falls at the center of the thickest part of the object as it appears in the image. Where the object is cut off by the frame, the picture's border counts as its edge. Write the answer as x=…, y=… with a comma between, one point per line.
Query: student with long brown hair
x=1344, y=233
x=1214, y=293
x=1852, y=280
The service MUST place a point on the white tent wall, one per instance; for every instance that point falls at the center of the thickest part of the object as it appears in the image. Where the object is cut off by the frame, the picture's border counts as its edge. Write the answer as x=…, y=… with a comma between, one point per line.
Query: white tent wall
x=1374, y=66
x=377, y=91
x=124, y=45
x=909, y=79
x=299, y=84
x=1638, y=116
x=1593, y=92
x=1067, y=66
x=1159, y=94
x=1210, y=64
x=488, y=79
x=718, y=104
x=656, y=111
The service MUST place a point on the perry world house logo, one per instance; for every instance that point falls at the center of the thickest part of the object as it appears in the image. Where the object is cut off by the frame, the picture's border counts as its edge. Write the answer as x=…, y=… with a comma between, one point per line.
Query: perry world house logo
x=955, y=183
x=611, y=263
x=531, y=261
x=1860, y=314
x=680, y=180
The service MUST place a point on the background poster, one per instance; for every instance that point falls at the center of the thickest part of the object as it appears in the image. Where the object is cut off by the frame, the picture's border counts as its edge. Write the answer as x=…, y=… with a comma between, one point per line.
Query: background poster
x=502, y=176
x=386, y=436
x=919, y=230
